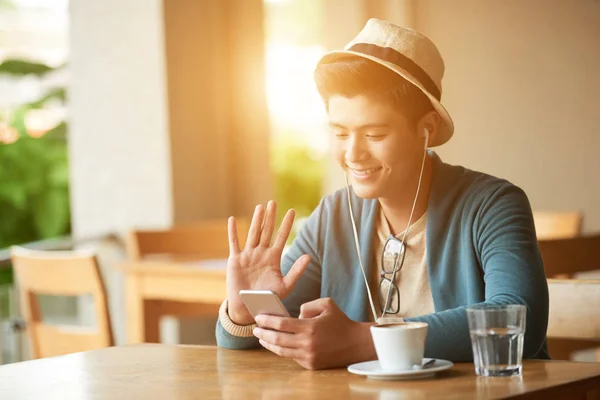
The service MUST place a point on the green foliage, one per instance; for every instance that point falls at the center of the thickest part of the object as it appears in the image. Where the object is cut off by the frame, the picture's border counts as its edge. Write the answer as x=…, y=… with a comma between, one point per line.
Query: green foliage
x=22, y=67
x=34, y=178
x=7, y=5
x=6, y=276
x=298, y=177
x=56, y=93
x=6, y=281
x=5, y=300
x=34, y=190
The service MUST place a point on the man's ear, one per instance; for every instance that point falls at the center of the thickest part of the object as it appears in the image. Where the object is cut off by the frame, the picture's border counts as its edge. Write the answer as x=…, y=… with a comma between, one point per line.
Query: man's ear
x=431, y=122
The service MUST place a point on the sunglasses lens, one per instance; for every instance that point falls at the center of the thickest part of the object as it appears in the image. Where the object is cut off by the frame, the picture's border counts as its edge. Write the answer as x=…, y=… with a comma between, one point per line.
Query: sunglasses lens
x=386, y=286
x=392, y=250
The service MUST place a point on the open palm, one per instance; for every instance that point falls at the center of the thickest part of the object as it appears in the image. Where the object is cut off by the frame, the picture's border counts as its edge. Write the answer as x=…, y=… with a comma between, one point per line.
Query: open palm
x=258, y=265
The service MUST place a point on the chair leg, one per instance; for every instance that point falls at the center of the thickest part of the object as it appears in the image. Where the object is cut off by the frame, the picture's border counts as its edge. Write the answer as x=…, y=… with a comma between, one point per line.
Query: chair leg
x=152, y=316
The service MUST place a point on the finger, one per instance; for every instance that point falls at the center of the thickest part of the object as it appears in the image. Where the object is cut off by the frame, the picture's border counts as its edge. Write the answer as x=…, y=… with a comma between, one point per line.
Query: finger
x=284, y=230
x=255, y=227
x=281, y=339
x=281, y=324
x=290, y=279
x=314, y=308
x=234, y=244
x=269, y=225
x=281, y=351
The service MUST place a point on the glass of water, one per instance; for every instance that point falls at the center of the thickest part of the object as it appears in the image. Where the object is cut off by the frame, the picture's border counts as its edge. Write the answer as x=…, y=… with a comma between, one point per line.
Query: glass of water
x=497, y=338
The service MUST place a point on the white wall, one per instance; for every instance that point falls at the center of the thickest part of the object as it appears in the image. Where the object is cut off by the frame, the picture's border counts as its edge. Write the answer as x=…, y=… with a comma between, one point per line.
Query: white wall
x=119, y=113
x=523, y=87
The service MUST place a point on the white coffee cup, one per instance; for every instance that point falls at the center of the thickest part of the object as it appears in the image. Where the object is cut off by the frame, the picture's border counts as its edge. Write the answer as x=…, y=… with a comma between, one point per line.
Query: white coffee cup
x=400, y=345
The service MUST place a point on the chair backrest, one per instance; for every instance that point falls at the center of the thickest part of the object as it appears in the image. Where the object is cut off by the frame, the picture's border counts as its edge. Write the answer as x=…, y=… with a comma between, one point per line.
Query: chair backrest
x=574, y=322
x=203, y=239
x=557, y=225
x=574, y=309
x=60, y=273
x=565, y=257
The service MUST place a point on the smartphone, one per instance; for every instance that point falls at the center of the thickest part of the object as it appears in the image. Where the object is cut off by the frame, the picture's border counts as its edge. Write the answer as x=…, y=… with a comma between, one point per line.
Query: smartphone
x=263, y=302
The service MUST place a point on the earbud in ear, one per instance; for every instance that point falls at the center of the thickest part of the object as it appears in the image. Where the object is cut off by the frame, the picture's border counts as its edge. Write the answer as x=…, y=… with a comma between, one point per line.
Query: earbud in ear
x=426, y=136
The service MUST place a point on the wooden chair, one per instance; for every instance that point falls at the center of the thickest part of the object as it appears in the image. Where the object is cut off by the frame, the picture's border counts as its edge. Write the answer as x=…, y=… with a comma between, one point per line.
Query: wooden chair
x=564, y=258
x=557, y=225
x=201, y=240
x=62, y=274
x=574, y=322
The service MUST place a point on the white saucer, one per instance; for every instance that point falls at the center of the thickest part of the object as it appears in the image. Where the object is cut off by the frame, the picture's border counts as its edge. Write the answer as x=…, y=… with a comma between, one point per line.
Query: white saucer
x=373, y=370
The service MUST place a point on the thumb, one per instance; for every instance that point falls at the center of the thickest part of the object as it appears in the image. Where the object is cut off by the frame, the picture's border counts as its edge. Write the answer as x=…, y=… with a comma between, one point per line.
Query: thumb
x=290, y=279
x=314, y=308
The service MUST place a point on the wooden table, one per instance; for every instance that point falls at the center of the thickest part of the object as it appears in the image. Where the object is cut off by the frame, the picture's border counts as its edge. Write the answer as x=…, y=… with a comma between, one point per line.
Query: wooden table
x=168, y=286
x=154, y=371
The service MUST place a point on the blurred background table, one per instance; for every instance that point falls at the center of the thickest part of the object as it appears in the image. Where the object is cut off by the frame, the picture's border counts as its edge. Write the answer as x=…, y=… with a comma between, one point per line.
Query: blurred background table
x=182, y=288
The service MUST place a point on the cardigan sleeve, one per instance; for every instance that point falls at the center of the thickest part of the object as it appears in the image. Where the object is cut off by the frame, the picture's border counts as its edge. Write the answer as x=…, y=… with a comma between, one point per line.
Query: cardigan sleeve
x=513, y=272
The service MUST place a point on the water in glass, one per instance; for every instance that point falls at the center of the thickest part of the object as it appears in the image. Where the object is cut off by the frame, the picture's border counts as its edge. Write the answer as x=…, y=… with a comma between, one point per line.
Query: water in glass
x=497, y=333
x=498, y=351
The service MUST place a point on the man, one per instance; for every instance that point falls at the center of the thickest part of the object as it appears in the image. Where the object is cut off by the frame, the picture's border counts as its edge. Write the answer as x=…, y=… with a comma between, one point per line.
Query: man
x=425, y=238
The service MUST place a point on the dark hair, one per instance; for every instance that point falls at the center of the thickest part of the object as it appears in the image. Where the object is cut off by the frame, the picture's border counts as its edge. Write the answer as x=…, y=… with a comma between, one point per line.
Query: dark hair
x=352, y=76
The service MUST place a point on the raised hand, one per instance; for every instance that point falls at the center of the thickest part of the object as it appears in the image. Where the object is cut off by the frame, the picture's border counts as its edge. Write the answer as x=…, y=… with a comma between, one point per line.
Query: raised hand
x=258, y=265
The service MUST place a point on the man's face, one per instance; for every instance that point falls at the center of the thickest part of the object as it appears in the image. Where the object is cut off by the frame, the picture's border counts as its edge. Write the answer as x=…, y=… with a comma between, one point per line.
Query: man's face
x=375, y=145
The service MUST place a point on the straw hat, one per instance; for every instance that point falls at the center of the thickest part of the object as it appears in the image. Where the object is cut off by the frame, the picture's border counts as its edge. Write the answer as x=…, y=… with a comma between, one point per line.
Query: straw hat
x=408, y=53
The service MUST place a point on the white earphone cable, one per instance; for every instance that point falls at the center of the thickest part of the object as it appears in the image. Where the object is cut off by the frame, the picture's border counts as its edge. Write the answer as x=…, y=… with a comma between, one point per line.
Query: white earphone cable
x=362, y=267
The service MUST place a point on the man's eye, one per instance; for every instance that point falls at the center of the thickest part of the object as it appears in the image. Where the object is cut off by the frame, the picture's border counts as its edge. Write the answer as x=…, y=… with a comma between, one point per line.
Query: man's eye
x=341, y=135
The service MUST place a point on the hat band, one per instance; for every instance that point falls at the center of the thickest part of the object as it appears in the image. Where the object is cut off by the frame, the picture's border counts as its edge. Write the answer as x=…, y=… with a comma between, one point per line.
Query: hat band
x=390, y=55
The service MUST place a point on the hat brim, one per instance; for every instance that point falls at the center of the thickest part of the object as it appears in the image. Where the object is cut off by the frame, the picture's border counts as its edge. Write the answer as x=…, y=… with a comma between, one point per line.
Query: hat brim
x=446, y=127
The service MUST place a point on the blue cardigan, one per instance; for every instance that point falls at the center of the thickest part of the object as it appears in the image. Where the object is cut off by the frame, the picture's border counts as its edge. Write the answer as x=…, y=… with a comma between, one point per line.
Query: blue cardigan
x=481, y=248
